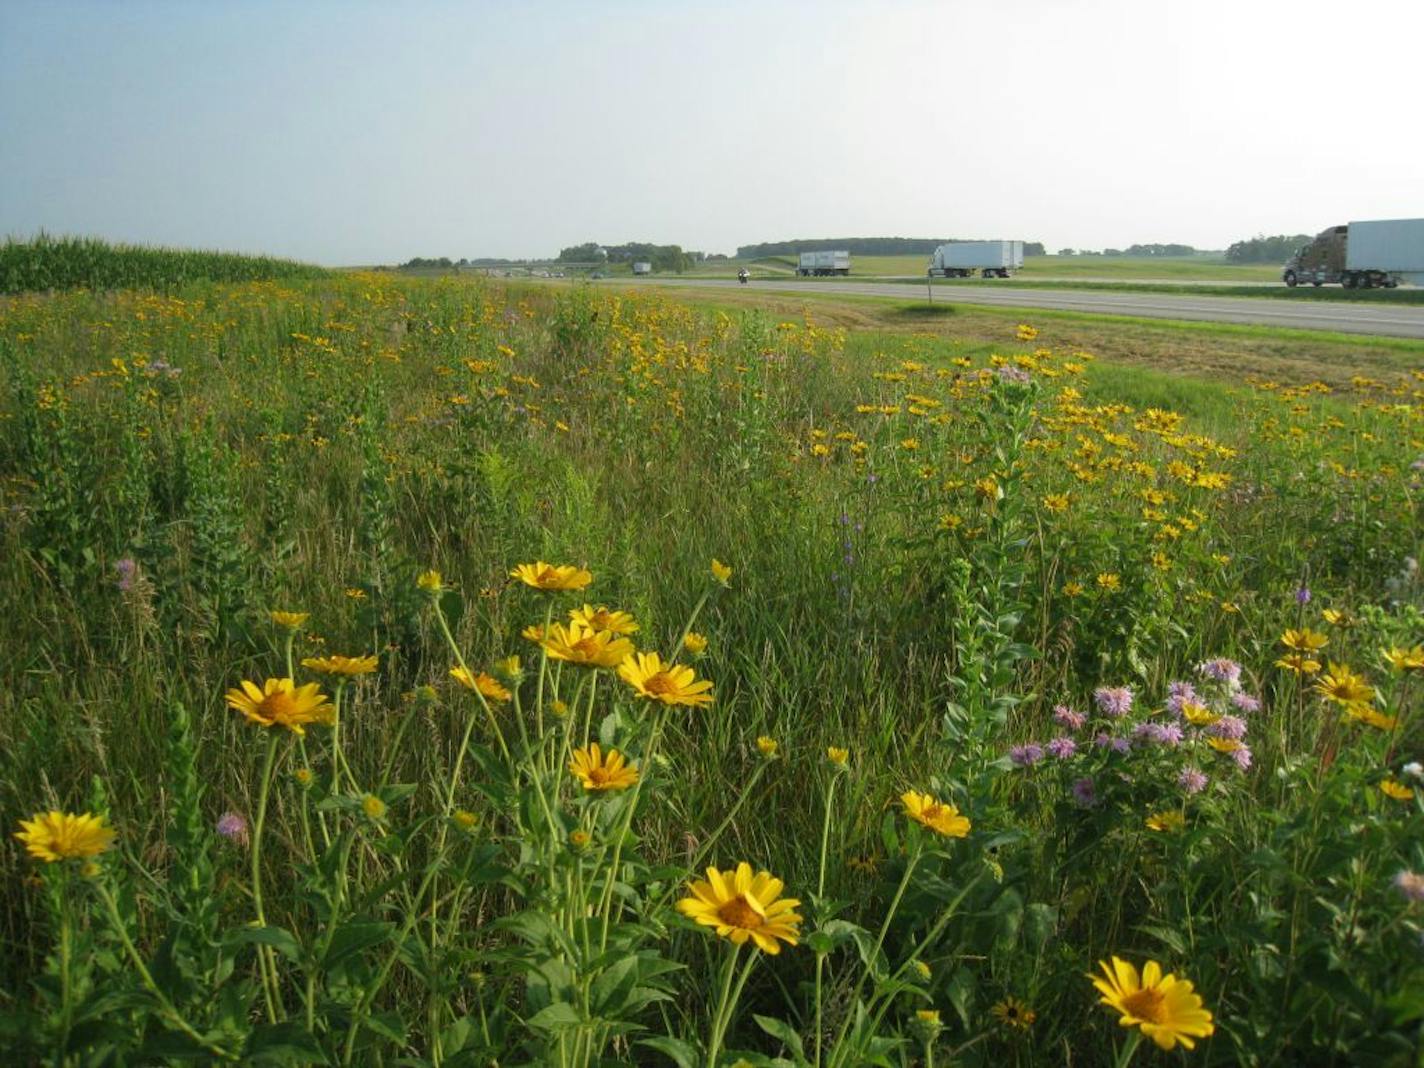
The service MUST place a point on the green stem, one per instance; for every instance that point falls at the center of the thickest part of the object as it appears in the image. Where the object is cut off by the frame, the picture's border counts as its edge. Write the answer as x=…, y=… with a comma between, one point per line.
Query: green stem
x=259, y=821
x=1124, y=1055
x=714, y=1037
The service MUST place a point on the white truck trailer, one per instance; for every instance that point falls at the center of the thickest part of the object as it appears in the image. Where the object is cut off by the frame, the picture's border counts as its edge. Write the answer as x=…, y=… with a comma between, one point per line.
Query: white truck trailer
x=960, y=259
x=642, y=267
x=823, y=262
x=1362, y=255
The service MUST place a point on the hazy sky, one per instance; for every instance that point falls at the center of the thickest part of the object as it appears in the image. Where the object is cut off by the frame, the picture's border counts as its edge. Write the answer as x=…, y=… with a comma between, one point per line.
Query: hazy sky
x=372, y=132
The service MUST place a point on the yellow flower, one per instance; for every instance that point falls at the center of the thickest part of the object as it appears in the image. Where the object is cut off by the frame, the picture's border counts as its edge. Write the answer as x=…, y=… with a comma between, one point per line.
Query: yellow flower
x=431, y=582
x=510, y=668
x=601, y=618
x=578, y=644
x=303, y=776
x=290, y=620
x=544, y=576
x=579, y=839
x=1170, y=820
x=1011, y=1012
x=1344, y=687
x=941, y=818
x=1405, y=659
x=744, y=907
x=923, y=971
x=1072, y=589
x=1396, y=790
x=721, y=572
x=694, y=643
x=355, y=593
x=52, y=836
x=1055, y=502
x=598, y=772
x=671, y=684
x=1108, y=580
x=838, y=757
x=1165, y=1008
x=767, y=747
x=1366, y=714
x=1305, y=640
x=1298, y=663
x=988, y=488
x=1225, y=745
x=1337, y=617
x=281, y=703
x=1198, y=715
x=373, y=806
x=341, y=665
x=465, y=819
x=482, y=683
x=559, y=708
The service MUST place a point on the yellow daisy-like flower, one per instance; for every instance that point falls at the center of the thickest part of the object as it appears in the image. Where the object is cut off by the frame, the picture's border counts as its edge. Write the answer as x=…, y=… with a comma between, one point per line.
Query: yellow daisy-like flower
x=1405, y=659
x=744, y=907
x=1166, y=1009
x=465, y=819
x=577, y=644
x=373, y=806
x=598, y=772
x=341, y=665
x=1011, y=1012
x=837, y=756
x=1055, y=502
x=1337, y=617
x=544, y=576
x=1366, y=714
x=1072, y=589
x=941, y=818
x=694, y=643
x=281, y=703
x=767, y=747
x=1170, y=821
x=1305, y=640
x=672, y=684
x=290, y=620
x=721, y=572
x=1396, y=790
x=1109, y=581
x=1198, y=715
x=431, y=582
x=1344, y=687
x=54, y=836
x=1298, y=663
x=602, y=618
x=481, y=683
x=1225, y=745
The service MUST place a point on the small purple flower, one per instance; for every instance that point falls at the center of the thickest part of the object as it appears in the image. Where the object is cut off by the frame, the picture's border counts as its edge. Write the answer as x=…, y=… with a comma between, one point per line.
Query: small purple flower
x=1192, y=781
x=1242, y=757
x=1158, y=733
x=127, y=570
x=1062, y=747
x=233, y=827
x=1026, y=755
x=1410, y=884
x=1302, y=596
x=1084, y=793
x=1222, y=670
x=1178, y=694
x=1117, y=745
x=1245, y=702
x=1233, y=727
x=1115, y=701
x=1066, y=718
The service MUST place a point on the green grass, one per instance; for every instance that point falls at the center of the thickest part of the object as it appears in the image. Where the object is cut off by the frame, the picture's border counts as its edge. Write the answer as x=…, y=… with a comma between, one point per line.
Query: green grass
x=921, y=553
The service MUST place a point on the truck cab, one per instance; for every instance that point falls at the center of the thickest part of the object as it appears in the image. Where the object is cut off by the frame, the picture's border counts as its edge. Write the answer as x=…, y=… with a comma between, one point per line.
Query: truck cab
x=1321, y=261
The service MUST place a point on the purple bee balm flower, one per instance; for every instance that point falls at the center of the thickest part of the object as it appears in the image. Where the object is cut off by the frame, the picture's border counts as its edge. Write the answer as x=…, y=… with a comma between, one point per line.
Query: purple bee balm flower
x=1178, y=694
x=233, y=827
x=1302, y=596
x=1084, y=793
x=1169, y=734
x=1233, y=727
x=1192, y=781
x=1066, y=718
x=1026, y=755
x=126, y=569
x=1222, y=670
x=1245, y=702
x=1117, y=745
x=1242, y=757
x=1062, y=748
x=1113, y=701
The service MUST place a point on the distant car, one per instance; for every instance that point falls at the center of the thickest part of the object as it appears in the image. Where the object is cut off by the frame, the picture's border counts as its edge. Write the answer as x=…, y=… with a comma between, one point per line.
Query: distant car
x=596, y=274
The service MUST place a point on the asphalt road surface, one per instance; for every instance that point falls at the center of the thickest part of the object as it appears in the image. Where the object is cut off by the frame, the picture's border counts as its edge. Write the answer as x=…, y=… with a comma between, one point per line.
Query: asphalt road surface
x=1386, y=320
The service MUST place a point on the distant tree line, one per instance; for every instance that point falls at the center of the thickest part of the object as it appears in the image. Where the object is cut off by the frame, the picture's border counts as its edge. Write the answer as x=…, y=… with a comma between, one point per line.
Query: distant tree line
x=662, y=257
x=1262, y=249
x=863, y=246
x=1151, y=250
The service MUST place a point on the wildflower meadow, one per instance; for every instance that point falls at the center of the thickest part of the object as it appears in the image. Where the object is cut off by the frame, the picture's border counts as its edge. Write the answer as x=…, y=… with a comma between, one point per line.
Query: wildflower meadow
x=429, y=672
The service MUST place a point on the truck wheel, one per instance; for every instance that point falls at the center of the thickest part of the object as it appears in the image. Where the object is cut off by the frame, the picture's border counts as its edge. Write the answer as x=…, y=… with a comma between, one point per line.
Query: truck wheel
x=1289, y=278
x=1316, y=283
x=1349, y=280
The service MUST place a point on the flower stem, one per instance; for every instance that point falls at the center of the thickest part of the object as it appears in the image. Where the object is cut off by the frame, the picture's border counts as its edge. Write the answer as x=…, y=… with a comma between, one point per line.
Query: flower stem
x=714, y=1038
x=264, y=962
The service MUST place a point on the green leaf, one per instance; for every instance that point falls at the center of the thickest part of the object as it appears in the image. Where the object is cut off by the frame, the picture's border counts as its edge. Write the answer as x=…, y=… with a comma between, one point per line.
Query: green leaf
x=283, y=1043
x=352, y=938
x=681, y=1052
x=611, y=988
x=783, y=1032
x=279, y=938
x=559, y=1016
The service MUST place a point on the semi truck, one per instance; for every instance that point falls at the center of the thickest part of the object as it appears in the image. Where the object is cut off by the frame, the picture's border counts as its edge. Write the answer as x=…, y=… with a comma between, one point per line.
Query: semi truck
x=642, y=267
x=960, y=259
x=1361, y=255
x=823, y=262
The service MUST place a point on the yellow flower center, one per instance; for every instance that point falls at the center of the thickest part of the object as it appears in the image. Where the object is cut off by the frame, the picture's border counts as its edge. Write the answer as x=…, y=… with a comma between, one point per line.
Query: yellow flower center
x=277, y=706
x=585, y=648
x=739, y=913
x=660, y=683
x=598, y=775
x=936, y=813
x=1145, y=1004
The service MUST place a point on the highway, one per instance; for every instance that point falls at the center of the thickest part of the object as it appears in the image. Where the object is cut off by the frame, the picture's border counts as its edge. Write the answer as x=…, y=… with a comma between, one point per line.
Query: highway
x=1383, y=320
